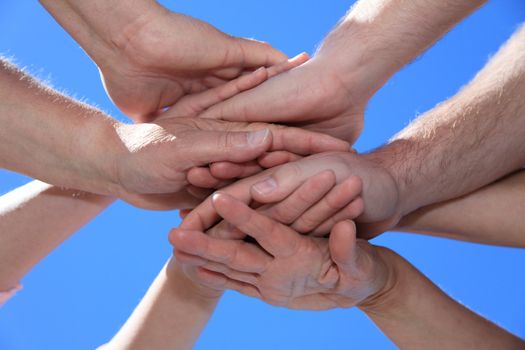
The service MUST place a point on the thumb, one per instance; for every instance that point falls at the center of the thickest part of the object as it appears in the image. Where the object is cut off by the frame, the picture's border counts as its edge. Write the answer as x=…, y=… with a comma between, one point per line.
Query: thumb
x=231, y=146
x=258, y=54
x=342, y=244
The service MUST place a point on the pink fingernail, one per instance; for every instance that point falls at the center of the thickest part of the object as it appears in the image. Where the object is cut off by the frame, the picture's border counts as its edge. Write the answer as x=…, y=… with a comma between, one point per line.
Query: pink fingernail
x=257, y=138
x=265, y=187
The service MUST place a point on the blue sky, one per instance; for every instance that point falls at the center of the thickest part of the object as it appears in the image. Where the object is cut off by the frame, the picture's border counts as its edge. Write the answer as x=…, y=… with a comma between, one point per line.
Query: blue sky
x=78, y=297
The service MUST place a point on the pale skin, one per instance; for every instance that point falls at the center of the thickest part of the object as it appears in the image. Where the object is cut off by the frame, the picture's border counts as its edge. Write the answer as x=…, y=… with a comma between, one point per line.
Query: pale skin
x=307, y=272
x=329, y=93
x=502, y=204
x=150, y=57
x=71, y=144
x=469, y=141
x=59, y=213
x=175, y=309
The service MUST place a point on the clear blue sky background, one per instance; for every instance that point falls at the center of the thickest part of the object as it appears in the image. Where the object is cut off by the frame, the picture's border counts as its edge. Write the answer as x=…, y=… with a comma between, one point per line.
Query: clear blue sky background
x=79, y=296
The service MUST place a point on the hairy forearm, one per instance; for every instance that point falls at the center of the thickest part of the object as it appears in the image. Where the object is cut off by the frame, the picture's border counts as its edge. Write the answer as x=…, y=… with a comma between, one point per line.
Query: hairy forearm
x=491, y=215
x=101, y=27
x=171, y=315
x=53, y=138
x=378, y=37
x=469, y=141
x=415, y=314
x=34, y=220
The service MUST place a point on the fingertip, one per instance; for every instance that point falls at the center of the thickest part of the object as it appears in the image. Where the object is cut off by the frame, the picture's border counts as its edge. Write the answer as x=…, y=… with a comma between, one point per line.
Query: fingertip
x=327, y=176
x=171, y=236
x=356, y=208
x=220, y=200
x=225, y=170
x=351, y=188
x=342, y=242
x=177, y=236
x=300, y=58
x=260, y=138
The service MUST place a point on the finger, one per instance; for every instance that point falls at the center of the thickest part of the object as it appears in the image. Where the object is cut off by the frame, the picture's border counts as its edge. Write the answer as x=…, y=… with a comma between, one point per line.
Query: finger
x=350, y=212
x=226, y=170
x=238, y=255
x=276, y=239
x=308, y=194
x=198, y=193
x=194, y=104
x=217, y=280
x=201, y=177
x=276, y=158
x=205, y=216
x=304, y=142
x=255, y=53
x=245, y=277
x=339, y=197
x=188, y=259
x=286, y=66
x=272, y=70
x=342, y=244
x=224, y=230
x=232, y=146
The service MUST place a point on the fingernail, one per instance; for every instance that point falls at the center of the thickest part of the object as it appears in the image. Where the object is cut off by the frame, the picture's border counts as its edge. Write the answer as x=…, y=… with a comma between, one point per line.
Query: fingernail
x=265, y=187
x=257, y=138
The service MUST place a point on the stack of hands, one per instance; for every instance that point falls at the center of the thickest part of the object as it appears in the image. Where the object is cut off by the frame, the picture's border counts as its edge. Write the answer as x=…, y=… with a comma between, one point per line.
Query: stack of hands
x=255, y=149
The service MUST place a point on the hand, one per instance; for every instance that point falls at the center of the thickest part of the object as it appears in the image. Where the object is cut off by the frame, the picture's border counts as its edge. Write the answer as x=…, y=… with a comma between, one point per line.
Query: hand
x=163, y=56
x=319, y=191
x=380, y=191
x=312, y=96
x=154, y=159
x=288, y=269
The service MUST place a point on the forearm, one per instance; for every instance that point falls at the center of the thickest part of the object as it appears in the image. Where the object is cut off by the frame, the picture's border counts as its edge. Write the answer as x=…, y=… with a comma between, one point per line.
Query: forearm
x=53, y=138
x=34, y=220
x=491, y=215
x=171, y=315
x=415, y=314
x=378, y=37
x=101, y=27
x=467, y=142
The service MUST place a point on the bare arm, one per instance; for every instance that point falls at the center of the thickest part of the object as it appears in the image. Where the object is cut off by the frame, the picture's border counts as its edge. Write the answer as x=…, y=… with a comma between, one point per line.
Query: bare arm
x=330, y=92
x=465, y=143
x=150, y=57
x=490, y=215
x=53, y=138
x=415, y=314
x=34, y=220
x=378, y=37
x=171, y=315
x=304, y=272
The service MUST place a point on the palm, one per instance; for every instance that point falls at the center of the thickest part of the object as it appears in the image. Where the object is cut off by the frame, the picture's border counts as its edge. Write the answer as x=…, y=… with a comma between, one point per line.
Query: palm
x=313, y=272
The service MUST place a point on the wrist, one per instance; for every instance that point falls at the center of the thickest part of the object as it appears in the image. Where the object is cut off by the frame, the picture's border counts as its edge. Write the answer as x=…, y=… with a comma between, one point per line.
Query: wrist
x=348, y=52
x=389, y=294
x=177, y=277
x=101, y=29
x=396, y=159
x=97, y=153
